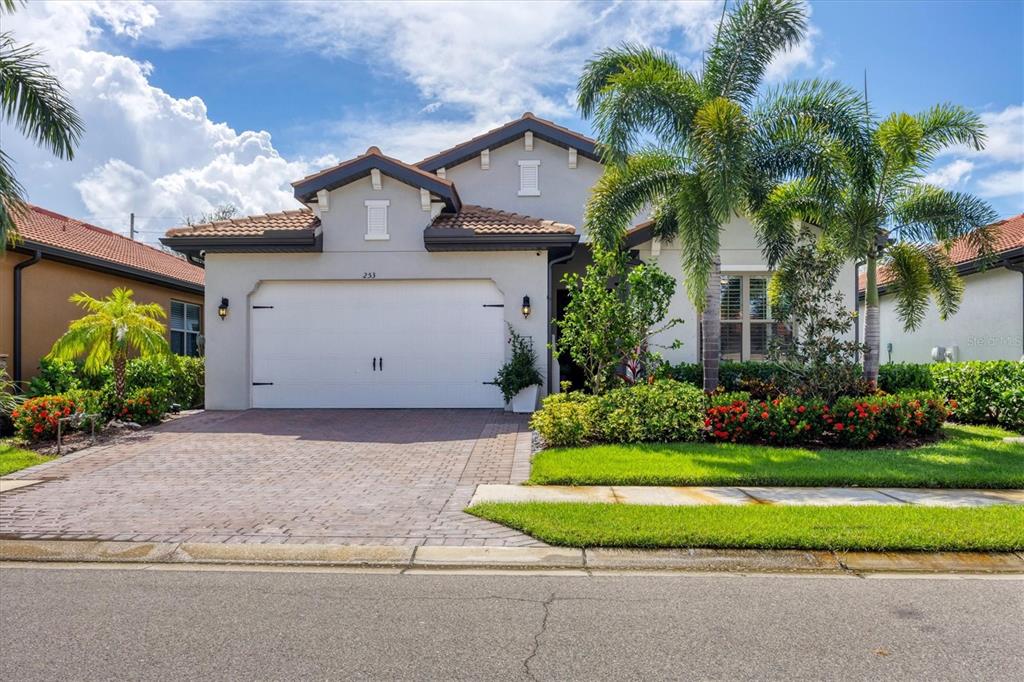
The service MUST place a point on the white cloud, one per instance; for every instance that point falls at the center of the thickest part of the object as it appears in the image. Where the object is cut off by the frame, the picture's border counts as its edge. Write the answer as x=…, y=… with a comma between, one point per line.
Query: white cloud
x=800, y=55
x=1005, y=132
x=1009, y=183
x=951, y=175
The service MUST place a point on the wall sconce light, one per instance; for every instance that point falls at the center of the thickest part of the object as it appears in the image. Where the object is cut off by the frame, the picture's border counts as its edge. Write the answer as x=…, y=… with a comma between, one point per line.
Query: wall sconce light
x=222, y=309
x=526, y=306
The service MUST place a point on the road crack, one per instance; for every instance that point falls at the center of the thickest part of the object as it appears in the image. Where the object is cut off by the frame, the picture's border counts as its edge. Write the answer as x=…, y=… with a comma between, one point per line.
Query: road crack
x=546, y=605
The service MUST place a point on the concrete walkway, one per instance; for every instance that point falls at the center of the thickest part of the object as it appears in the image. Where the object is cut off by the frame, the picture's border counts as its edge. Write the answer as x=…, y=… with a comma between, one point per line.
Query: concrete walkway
x=690, y=496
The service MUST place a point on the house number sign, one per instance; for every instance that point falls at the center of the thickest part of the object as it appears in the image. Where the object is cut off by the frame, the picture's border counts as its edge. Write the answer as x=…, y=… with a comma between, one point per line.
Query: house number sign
x=369, y=275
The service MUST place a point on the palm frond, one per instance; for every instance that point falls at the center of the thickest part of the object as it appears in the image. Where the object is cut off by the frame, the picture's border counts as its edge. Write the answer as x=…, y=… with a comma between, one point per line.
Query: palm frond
x=720, y=143
x=12, y=202
x=748, y=40
x=911, y=284
x=776, y=221
x=33, y=101
x=10, y=6
x=899, y=137
x=926, y=213
x=945, y=125
x=597, y=72
x=946, y=283
x=700, y=233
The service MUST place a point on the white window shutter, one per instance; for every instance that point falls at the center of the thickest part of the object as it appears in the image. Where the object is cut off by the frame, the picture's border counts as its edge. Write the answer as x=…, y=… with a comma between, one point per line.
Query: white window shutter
x=377, y=219
x=529, y=178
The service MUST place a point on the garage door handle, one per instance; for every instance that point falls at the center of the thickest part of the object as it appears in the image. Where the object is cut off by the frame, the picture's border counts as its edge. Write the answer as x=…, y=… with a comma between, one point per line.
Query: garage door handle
x=382, y=364
x=375, y=364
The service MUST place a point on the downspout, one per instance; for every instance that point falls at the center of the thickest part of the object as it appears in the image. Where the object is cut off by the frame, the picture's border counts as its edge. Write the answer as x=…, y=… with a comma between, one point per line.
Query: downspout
x=1019, y=267
x=36, y=257
x=856, y=308
x=551, y=308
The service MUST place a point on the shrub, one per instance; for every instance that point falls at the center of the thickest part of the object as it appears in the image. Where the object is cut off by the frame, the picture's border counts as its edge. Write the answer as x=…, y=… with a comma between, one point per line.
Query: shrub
x=1011, y=409
x=981, y=389
x=565, y=419
x=188, y=377
x=897, y=377
x=54, y=377
x=661, y=411
x=36, y=418
x=144, y=406
x=87, y=401
x=732, y=375
x=851, y=422
x=520, y=371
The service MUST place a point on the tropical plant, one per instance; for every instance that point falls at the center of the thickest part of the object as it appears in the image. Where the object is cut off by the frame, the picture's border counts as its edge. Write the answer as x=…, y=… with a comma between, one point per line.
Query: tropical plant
x=717, y=149
x=9, y=398
x=520, y=371
x=33, y=101
x=880, y=210
x=115, y=327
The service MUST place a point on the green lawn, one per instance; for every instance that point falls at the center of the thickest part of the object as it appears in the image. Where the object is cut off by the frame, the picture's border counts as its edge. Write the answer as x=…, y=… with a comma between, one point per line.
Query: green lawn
x=969, y=457
x=13, y=459
x=882, y=528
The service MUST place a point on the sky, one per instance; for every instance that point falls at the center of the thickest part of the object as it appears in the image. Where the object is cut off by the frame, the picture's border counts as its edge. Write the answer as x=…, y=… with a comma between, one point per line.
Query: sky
x=190, y=105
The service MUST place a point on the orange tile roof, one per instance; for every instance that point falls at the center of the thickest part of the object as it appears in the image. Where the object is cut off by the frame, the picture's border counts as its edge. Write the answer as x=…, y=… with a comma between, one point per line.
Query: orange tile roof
x=46, y=228
x=1009, y=235
x=375, y=151
x=482, y=220
x=251, y=226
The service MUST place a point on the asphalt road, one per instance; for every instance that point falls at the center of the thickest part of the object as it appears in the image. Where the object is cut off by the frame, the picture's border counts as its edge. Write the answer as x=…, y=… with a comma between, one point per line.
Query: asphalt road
x=98, y=623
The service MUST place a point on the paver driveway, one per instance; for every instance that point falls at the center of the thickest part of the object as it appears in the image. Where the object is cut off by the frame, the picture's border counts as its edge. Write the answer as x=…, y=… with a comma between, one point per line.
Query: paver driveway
x=322, y=476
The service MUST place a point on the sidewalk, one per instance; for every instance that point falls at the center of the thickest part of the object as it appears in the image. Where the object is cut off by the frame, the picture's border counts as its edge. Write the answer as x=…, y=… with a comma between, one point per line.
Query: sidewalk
x=742, y=495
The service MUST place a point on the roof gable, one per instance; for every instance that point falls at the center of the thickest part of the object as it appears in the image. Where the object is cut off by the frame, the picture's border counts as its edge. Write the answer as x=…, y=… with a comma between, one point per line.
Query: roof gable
x=542, y=129
x=360, y=167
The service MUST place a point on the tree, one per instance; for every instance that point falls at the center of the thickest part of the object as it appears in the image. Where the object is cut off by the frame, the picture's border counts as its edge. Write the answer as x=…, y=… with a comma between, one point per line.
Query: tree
x=33, y=101
x=115, y=327
x=220, y=212
x=717, y=149
x=881, y=211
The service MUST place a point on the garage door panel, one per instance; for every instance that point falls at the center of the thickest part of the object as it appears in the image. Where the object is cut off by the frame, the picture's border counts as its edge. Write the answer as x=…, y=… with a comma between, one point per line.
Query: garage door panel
x=440, y=341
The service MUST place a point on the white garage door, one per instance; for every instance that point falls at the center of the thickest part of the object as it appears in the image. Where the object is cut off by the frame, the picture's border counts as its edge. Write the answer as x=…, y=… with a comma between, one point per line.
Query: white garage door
x=413, y=343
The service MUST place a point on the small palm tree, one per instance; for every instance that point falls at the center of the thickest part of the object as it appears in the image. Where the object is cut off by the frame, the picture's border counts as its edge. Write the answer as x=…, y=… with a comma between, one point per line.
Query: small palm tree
x=33, y=101
x=701, y=147
x=882, y=212
x=115, y=327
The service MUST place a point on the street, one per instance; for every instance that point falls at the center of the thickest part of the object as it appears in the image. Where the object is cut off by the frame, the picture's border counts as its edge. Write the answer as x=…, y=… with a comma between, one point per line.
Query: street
x=93, y=622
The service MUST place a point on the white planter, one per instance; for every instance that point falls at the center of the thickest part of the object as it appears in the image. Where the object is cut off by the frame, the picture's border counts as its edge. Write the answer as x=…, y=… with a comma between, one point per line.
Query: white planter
x=525, y=401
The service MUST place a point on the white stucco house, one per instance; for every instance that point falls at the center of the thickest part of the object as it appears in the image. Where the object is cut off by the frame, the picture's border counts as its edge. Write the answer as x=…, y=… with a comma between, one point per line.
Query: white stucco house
x=990, y=322
x=393, y=283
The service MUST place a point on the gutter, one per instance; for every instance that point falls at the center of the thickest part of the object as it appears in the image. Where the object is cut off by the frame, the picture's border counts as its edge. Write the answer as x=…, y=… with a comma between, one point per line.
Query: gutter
x=1019, y=267
x=37, y=256
x=856, y=308
x=551, y=307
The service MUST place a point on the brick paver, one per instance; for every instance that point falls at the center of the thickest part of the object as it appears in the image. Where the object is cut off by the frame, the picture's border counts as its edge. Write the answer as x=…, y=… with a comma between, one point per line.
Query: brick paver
x=377, y=477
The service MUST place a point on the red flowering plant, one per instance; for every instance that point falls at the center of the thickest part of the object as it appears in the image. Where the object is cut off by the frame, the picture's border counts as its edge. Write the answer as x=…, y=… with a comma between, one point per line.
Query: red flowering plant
x=144, y=406
x=786, y=420
x=36, y=418
x=864, y=422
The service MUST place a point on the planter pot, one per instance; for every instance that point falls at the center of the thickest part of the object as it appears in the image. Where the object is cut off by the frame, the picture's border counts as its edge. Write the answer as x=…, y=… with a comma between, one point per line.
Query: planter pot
x=525, y=401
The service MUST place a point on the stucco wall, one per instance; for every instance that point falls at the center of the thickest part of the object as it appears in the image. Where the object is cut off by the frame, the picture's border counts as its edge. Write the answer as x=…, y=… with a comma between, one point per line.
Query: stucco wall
x=988, y=325
x=46, y=311
x=564, y=191
x=347, y=256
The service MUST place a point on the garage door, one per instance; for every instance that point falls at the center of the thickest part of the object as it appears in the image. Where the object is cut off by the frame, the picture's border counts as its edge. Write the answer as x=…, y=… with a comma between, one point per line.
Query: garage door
x=412, y=343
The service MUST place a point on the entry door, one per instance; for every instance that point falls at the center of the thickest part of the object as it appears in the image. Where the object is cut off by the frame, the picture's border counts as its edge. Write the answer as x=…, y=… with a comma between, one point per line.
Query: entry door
x=410, y=343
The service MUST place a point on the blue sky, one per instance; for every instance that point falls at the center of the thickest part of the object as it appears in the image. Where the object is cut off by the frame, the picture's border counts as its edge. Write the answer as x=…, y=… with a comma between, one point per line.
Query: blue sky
x=189, y=105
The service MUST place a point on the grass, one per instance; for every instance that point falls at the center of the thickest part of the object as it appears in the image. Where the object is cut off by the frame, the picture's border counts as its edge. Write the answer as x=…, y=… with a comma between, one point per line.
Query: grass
x=14, y=459
x=968, y=457
x=881, y=528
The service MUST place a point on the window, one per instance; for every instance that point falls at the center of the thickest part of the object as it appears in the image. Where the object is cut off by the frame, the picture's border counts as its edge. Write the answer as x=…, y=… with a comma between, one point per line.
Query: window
x=746, y=317
x=186, y=325
x=377, y=218
x=529, y=178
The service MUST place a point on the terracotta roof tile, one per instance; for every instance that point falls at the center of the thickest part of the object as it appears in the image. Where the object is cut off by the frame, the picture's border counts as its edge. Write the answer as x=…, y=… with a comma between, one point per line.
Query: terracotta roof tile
x=375, y=151
x=481, y=220
x=1009, y=235
x=251, y=226
x=47, y=228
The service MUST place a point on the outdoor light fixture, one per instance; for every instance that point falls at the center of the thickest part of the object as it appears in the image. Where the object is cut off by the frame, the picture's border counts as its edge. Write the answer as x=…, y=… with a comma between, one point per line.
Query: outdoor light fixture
x=222, y=310
x=526, y=306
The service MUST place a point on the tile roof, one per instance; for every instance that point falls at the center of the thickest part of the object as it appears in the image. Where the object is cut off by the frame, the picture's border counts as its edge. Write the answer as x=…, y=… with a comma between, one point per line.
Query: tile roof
x=481, y=220
x=588, y=144
x=46, y=228
x=376, y=152
x=251, y=226
x=1009, y=235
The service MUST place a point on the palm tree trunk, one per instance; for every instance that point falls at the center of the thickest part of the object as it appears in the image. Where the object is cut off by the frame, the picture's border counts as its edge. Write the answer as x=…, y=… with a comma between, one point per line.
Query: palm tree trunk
x=119, y=380
x=872, y=330
x=711, y=327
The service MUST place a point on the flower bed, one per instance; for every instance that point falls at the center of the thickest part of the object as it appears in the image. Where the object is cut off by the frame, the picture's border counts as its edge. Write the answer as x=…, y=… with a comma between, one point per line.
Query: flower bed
x=36, y=419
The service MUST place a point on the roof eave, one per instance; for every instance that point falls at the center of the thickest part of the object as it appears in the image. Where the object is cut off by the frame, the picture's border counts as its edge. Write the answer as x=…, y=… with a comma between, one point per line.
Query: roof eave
x=303, y=241
x=458, y=239
x=306, y=190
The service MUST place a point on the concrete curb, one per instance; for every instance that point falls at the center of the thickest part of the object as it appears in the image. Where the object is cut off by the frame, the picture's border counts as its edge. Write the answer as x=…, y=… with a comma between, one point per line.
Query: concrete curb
x=559, y=558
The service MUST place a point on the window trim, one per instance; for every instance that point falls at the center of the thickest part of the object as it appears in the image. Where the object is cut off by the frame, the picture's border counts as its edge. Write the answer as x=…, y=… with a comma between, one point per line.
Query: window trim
x=171, y=329
x=372, y=204
x=530, y=163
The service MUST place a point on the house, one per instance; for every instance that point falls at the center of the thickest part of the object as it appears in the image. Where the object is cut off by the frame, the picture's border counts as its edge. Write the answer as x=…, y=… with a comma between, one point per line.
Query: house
x=990, y=322
x=58, y=256
x=393, y=284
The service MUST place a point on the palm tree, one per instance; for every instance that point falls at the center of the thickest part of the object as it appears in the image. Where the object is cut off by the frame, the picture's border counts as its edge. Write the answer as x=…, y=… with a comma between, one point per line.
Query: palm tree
x=33, y=101
x=716, y=149
x=114, y=327
x=882, y=212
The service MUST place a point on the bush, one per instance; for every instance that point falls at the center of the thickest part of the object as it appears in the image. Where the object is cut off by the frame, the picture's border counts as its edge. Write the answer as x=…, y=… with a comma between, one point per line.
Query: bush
x=520, y=371
x=662, y=411
x=179, y=377
x=565, y=419
x=144, y=406
x=732, y=375
x=897, y=377
x=54, y=377
x=36, y=418
x=985, y=392
x=188, y=377
x=850, y=422
x=88, y=401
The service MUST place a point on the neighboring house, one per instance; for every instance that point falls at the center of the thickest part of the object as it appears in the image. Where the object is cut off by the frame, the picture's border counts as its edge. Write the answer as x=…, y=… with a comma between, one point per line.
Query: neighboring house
x=393, y=285
x=990, y=322
x=59, y=256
